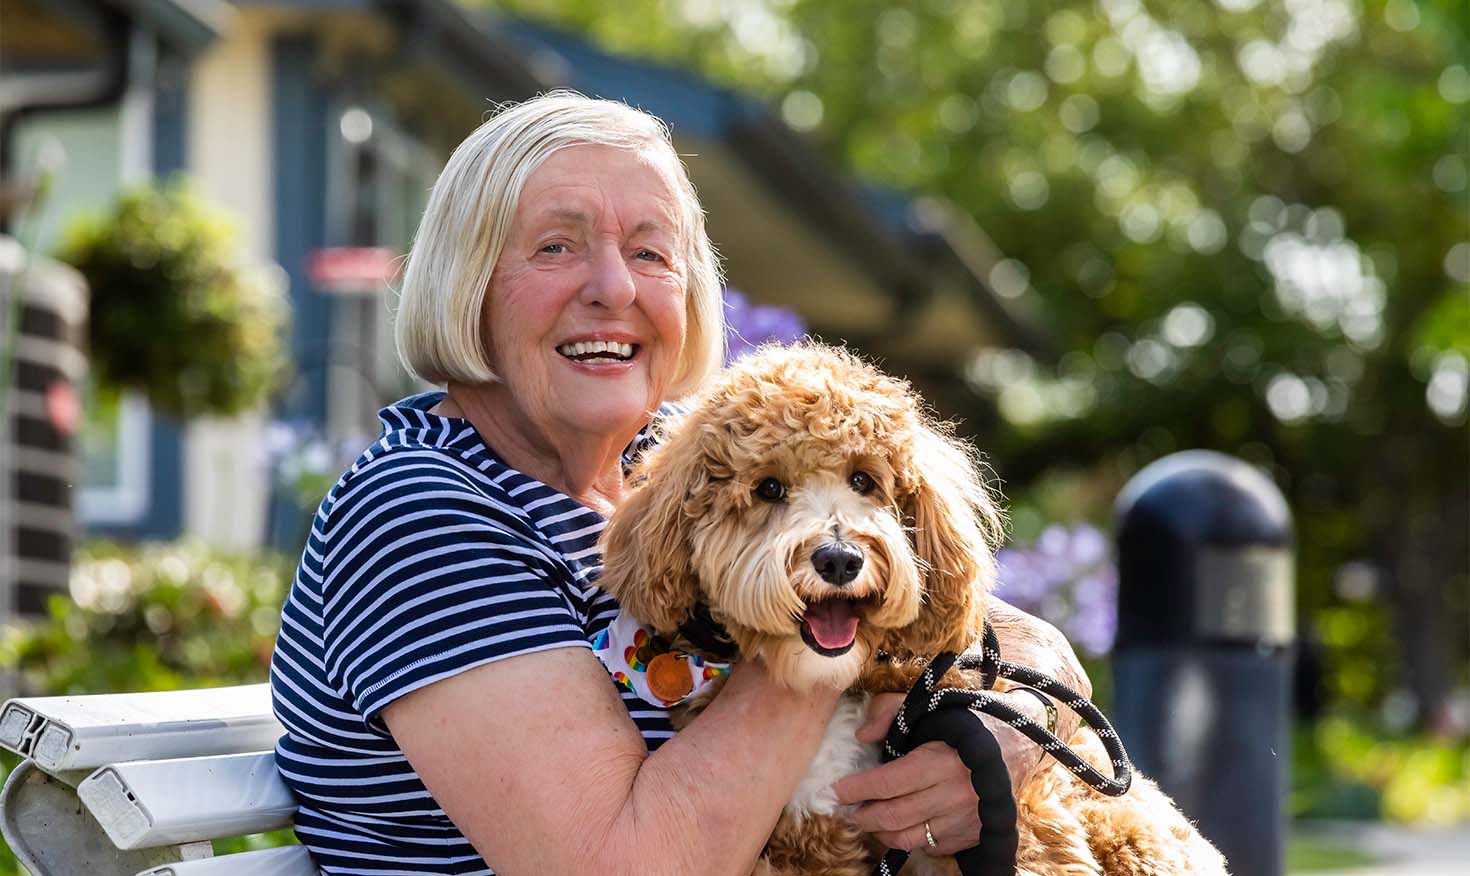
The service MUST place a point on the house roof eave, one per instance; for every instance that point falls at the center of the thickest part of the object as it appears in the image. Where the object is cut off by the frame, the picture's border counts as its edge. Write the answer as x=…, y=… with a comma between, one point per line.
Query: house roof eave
x=450, y=37
x=186, y=26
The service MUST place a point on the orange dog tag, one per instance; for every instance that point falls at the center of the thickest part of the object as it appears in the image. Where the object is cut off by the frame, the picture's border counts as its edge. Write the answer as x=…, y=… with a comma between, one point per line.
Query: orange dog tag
x=669, y=678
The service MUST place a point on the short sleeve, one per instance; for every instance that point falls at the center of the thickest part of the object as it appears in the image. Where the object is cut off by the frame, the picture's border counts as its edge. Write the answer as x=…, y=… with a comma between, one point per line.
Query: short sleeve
x=667, y=415
x=427, y=572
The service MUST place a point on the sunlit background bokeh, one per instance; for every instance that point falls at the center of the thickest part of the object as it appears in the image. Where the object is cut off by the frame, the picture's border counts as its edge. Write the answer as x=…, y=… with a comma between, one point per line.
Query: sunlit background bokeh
x=1094, y=232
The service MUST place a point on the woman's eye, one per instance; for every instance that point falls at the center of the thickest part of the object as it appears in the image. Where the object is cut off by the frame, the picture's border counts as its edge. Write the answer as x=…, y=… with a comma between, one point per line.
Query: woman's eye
x=770, y=490
x=554, y=248
x=861, y=482
x=649, y=255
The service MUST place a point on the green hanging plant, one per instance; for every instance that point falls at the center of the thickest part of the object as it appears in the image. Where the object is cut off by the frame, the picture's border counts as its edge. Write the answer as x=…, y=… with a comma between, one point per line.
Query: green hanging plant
x=174, y=313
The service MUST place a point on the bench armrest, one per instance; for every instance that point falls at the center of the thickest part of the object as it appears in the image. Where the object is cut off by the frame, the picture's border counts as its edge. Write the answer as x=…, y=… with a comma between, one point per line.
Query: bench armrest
x=69, y=733
x=179, y=800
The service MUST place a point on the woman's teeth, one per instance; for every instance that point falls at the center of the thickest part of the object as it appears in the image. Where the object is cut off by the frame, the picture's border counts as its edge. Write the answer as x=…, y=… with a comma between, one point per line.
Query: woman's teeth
x=597, y=351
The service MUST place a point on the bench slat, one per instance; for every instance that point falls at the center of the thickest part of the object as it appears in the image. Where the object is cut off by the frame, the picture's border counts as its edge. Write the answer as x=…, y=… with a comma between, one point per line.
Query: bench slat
x=68, y=733
x=285, y=861
x=179, y=800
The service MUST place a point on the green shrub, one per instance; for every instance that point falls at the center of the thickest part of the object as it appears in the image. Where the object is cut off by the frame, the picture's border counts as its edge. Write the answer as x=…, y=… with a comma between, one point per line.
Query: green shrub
x=156, y=617
x=1346, y=768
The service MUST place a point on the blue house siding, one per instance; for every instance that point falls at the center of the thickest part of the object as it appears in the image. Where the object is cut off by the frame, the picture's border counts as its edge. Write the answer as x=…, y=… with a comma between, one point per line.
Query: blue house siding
x=299, y=156
x=170, y=126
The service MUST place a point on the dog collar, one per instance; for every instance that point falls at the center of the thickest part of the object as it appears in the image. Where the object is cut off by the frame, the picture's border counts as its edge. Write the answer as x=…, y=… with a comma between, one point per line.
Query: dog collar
x=643, y=662
x=709, y=635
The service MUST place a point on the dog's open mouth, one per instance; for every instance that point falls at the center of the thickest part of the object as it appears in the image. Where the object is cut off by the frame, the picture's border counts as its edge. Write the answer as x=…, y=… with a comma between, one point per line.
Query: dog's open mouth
x=830, y=626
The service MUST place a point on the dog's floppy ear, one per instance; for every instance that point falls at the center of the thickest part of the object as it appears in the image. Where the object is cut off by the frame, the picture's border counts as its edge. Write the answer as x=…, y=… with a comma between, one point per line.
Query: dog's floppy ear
x=646, y=553
x=956, y=527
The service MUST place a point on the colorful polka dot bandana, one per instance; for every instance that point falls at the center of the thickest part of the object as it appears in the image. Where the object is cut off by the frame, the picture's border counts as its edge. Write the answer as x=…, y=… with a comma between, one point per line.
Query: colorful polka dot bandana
x=645, y=663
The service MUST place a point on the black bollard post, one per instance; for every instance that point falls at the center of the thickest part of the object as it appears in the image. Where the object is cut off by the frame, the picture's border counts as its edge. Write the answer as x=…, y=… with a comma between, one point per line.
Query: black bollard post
x=1202, y=663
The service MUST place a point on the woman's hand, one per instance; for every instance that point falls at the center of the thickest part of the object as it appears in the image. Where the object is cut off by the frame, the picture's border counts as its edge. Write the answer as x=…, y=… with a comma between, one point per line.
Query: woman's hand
x=930, y=784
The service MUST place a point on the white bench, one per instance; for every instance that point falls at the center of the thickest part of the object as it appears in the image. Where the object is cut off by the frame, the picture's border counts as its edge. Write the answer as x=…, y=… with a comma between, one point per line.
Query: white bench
x=139, y=784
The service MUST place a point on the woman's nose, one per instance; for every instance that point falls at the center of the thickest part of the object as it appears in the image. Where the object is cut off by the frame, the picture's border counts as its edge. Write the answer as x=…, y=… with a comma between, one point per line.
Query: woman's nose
x=610, y=281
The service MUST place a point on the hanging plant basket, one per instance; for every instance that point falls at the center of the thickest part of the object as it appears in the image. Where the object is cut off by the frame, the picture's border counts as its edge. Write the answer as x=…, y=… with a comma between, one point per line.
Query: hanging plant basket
x=174, y=313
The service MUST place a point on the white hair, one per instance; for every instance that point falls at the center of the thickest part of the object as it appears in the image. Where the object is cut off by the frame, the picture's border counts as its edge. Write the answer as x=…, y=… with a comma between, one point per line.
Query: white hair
x=469, y=214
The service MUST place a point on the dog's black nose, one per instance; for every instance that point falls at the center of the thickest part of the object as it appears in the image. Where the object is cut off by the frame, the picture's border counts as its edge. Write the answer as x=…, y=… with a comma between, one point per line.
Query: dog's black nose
x=838, y=563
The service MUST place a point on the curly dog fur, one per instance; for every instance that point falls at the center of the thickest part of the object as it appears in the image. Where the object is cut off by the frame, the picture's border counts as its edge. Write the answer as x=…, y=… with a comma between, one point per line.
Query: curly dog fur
x=795, y=452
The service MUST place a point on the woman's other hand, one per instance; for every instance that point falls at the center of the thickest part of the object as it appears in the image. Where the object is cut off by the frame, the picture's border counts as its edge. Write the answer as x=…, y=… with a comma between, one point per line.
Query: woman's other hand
x=930, y=784
x=1031, y=641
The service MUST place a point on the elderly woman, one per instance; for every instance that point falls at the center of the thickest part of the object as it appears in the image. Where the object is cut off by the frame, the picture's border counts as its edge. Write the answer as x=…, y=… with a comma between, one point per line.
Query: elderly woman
x=443, y=707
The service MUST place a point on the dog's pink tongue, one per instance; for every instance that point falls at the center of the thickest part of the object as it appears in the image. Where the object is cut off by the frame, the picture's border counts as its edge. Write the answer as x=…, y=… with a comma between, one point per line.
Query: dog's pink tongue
x=833, y=623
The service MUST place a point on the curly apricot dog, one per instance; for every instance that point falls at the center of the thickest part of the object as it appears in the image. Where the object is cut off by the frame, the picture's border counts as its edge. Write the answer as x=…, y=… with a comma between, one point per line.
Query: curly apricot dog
x=812, y=506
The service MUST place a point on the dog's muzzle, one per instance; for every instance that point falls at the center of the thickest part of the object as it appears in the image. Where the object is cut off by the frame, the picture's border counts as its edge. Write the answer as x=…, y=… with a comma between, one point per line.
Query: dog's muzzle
x=830, y=624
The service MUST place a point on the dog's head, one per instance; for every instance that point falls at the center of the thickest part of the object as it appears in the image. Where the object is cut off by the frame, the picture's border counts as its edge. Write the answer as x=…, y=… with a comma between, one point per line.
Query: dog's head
x=820, y=513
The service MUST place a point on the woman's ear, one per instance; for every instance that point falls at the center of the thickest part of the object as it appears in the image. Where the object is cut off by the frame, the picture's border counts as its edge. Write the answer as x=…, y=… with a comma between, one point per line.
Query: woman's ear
x=957, y=526
x=646, y=553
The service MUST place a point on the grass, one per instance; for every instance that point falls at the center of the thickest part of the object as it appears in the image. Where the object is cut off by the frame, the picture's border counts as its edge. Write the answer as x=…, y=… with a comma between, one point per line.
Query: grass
x=1306, y=854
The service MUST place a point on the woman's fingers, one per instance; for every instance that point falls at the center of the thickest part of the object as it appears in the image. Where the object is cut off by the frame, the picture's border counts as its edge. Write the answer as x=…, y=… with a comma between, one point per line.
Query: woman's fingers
x=927, y=765
x=903, y=812
x=952, y=833
x=881, y=712
x=929, y=784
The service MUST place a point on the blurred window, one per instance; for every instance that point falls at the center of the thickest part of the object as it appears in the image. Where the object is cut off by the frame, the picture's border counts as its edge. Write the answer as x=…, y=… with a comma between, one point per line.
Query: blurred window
x=378, y=185
x=90, y=151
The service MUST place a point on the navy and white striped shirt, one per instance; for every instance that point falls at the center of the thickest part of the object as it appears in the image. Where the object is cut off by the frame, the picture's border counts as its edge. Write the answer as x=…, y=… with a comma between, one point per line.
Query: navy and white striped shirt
x=430, y=556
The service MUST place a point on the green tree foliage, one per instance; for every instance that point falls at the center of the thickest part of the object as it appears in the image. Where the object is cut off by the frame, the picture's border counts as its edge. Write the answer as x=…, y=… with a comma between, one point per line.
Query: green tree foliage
x=173, y=312
x=1244, y=221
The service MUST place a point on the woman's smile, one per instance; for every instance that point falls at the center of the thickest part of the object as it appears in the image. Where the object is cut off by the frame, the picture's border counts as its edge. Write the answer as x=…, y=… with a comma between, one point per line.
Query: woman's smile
x=598, y=352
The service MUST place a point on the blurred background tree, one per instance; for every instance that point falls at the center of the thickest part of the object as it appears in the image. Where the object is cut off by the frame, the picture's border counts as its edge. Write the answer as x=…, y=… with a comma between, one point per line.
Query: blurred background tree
x=1243, y=221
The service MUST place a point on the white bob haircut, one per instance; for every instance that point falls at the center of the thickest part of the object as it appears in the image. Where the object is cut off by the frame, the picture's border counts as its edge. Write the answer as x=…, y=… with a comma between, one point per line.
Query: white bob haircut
x=469, y=214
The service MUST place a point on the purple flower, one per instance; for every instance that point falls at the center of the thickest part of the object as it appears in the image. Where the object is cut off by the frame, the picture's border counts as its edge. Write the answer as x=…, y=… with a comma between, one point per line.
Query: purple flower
x=747, y=325
x=282, y=439
x=302, y=458
x=1066, y=577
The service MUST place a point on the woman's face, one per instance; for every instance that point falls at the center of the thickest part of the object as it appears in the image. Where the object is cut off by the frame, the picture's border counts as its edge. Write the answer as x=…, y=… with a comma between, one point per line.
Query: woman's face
x=586, y=307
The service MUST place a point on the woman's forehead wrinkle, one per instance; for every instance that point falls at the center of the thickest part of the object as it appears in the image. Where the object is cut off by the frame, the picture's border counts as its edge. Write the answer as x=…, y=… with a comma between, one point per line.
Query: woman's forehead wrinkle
x=569, y=215
x=584, y=200
x=563, y=214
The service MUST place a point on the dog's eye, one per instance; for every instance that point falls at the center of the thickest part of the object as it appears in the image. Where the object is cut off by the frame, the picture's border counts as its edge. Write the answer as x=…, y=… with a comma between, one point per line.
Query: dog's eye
x=861, y=483
x=770, y=490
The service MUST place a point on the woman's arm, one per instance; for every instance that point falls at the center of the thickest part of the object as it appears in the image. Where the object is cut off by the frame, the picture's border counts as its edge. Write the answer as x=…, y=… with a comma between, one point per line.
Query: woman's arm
x=537, y=762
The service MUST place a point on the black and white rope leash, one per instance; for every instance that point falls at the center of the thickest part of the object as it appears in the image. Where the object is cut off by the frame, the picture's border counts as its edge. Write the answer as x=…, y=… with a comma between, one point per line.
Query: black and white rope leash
x=949, y=715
